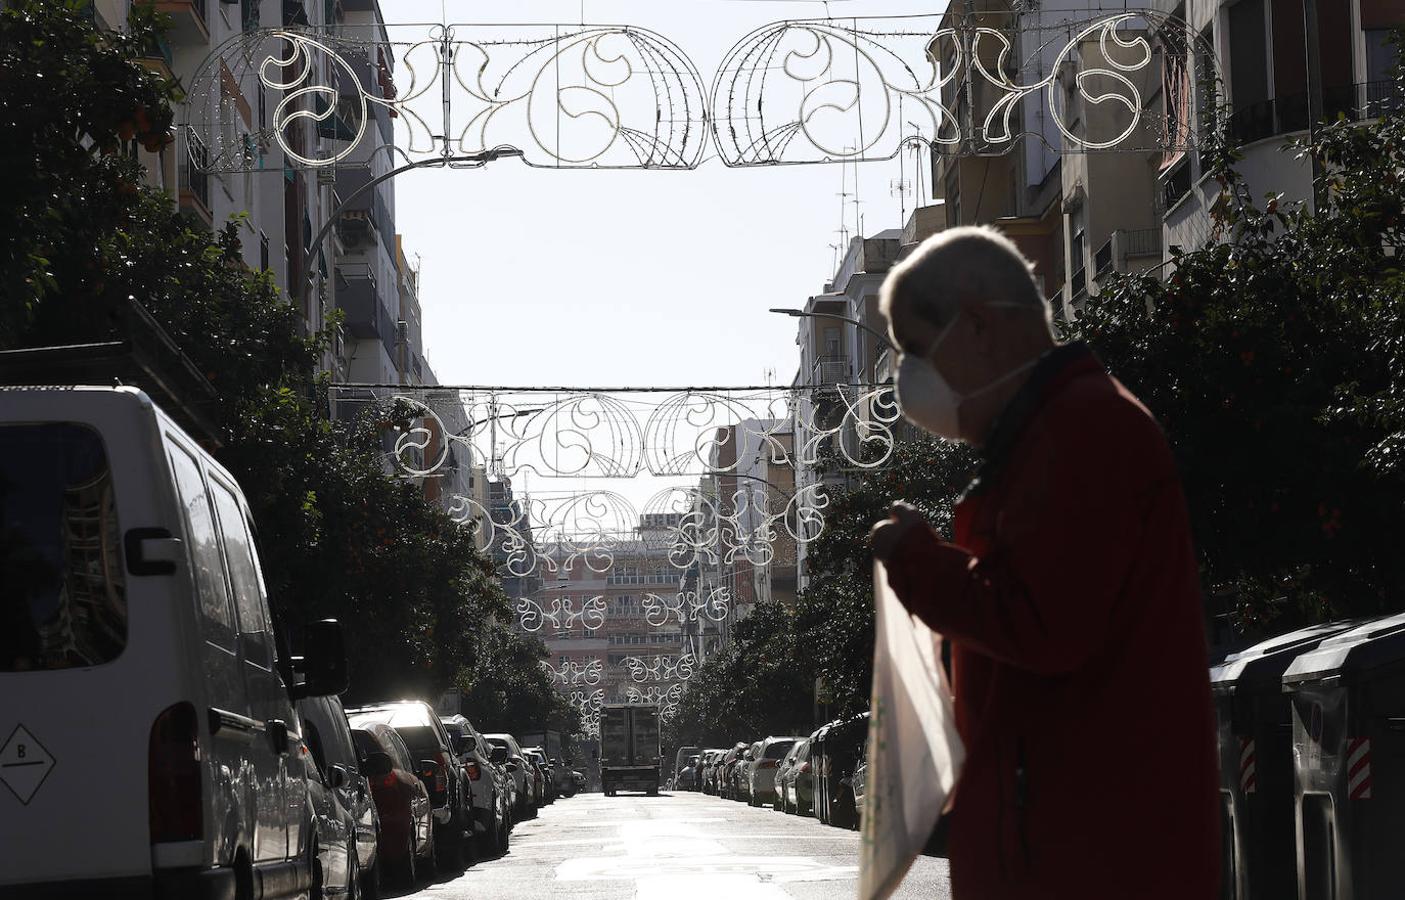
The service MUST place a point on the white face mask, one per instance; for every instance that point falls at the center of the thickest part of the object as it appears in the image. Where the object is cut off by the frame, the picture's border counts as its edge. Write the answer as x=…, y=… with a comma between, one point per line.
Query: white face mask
x=925, y=398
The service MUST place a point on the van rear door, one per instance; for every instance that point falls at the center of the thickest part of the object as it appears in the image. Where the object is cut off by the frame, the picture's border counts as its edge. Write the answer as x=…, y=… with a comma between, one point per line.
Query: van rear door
x=89, y=650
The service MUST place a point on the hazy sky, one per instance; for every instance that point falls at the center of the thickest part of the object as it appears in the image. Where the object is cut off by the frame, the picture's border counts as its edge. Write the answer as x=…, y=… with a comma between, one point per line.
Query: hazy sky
x=583, y=278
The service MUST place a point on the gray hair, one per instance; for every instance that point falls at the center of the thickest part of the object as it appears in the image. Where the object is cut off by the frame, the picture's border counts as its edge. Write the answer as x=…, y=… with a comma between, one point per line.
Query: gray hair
x=971, y=264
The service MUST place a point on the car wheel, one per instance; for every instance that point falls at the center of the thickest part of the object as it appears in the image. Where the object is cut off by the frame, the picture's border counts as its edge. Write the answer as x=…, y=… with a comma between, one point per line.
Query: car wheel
x=404, y=874
x=317, y=890
x=449, y=850
x=371, y=881
x=353, y=873
x=504, y=837
x=433, y=868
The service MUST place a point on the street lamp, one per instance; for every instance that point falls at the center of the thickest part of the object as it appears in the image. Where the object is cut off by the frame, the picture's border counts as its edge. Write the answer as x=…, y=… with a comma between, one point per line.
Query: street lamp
x=802, y=314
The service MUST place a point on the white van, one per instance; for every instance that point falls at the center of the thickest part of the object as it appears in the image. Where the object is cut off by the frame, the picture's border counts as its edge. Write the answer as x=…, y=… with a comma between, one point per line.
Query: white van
x=148, y=743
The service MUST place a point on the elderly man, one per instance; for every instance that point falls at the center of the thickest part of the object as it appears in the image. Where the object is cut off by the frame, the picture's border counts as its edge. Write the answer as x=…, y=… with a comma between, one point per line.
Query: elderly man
x=1069, y=594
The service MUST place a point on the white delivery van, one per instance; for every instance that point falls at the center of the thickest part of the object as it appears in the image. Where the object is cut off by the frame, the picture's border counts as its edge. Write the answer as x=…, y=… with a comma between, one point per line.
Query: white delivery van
x=148, y=743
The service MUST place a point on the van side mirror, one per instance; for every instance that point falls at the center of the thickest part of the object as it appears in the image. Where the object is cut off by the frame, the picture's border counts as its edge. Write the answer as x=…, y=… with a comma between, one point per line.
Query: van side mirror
x=499, y=755
x=337, y=777
x=377, y=765
x=323, y=663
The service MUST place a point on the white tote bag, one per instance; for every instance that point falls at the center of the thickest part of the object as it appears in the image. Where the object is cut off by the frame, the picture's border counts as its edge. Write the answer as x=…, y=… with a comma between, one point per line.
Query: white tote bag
x=914, y=752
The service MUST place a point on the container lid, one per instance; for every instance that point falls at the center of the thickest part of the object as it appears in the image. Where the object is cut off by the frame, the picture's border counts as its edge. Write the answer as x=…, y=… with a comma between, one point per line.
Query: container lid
x=1372, y=645
x=1262, y=665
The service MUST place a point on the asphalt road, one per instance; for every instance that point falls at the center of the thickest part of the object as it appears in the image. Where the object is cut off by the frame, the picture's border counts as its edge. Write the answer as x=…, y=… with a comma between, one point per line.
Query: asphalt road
x=684, y=846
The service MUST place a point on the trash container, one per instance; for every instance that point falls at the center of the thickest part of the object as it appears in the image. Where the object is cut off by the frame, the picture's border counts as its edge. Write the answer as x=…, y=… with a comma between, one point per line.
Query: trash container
x=1348, y=698
x=1255, y=721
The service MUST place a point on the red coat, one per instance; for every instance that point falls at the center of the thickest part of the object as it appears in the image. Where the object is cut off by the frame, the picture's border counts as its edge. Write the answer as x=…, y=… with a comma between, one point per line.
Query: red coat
x=1072, y=601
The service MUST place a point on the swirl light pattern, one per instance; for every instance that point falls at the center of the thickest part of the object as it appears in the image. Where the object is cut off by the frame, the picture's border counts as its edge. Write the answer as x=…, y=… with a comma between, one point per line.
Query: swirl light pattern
x=687, y=606
x=665, y=698
x=747, y=451
x=626, y=433
x=579, y=96
x=660, y=668
x=562, y=615
x=823, y=90
x=795, y=91
x=574, y=672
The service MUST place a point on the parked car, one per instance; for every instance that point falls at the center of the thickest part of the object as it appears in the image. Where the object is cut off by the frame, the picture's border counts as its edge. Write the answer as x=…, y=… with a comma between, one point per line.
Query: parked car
x=795, y=792
x=710, y=768
x=402, y=803
x=565, y=778
x=680, y=761
x=328, y=737
x=761, y=774
x=509, y=755
x=178, y=752
x=726, y=776
x=783, y=768
x=840, y=748
x=440, y=769
x=538, y=779
x=491, y=814
x=858, y=783
x=538, y=756
x=742, y=773
x=688, y=776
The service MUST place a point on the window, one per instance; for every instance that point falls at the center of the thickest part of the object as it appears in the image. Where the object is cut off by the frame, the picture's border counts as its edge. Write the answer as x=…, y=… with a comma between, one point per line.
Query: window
x=64, y=602
x=263, y=252
x=254, y=630
x=216, y=619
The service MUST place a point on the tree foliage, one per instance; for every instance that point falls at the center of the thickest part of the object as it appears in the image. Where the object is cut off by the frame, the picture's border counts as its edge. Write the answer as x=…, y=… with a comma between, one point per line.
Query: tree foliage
x=80, y=235
x=1275, y=359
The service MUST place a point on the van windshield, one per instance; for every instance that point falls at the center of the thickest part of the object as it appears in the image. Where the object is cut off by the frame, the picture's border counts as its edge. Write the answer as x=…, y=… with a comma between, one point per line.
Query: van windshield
x=63, y=598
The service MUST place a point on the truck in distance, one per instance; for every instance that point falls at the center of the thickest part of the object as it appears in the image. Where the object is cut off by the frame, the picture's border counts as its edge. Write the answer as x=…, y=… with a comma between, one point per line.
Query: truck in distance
x=629, y=748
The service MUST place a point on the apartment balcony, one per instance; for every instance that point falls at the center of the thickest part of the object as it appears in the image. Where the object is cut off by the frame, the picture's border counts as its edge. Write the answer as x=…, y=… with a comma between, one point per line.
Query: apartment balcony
x=830, y=370
x=194, y=181
x=359, y=297
x=189, y=20
x=1289, y=114
x=1175, y=185
x=158, y=57
x=1125, y=249
x=1078, y=286
x=365, y=219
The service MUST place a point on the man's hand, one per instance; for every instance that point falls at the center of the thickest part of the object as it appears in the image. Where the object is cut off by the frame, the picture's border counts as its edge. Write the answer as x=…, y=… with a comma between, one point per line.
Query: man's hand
x=885, y=536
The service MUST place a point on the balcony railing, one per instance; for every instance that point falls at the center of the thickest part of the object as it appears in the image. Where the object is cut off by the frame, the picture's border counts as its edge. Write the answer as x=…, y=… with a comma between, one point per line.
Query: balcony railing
x=1288, y=114
x=830, y=370
x=1175, y=185
x=189, y=19
x=1138, y=242
x=197, y=180
x=358, y=295
x=1078, y=285
x=1102, y=260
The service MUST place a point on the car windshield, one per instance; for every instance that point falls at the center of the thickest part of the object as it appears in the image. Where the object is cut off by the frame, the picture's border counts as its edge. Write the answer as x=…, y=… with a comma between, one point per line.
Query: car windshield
x=397, y=716
x=63, y=599
x=778, y=749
